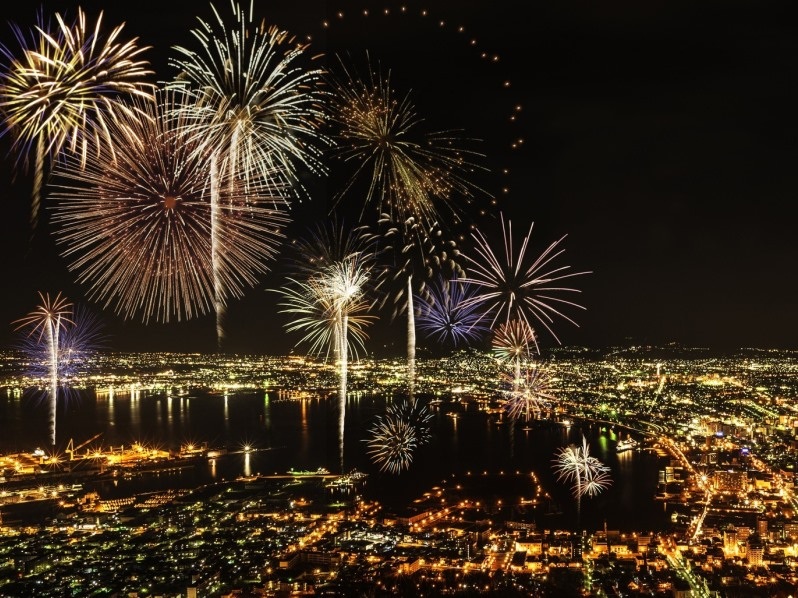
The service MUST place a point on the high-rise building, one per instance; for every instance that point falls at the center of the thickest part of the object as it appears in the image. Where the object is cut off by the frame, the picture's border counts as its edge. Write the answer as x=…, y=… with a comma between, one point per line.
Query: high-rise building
x=730, y=541
x=762, y=527
x=756, y=553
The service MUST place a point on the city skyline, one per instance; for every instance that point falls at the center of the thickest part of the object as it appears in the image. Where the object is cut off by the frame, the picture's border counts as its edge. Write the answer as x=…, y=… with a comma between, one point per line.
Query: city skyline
x=657, y=138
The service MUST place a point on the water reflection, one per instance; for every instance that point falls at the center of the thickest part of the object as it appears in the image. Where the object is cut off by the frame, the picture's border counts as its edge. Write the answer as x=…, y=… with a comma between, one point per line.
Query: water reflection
x=267, y=413
x=247, y=463
x=306, y=434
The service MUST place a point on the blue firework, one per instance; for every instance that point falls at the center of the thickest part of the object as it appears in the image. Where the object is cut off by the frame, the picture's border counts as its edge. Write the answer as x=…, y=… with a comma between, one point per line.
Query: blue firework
x=447, y=314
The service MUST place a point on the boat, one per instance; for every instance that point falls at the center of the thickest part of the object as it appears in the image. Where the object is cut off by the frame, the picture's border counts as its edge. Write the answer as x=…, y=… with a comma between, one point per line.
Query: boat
x=307, y=472
x=626, y=445
x=348, y=480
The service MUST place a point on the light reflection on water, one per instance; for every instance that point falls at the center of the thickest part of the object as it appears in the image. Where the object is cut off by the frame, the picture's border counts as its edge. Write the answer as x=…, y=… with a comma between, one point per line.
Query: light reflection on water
x=303, y=434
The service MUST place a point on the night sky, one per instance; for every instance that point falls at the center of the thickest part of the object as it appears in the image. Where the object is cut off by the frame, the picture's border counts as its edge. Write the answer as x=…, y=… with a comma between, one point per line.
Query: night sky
x=659, y=136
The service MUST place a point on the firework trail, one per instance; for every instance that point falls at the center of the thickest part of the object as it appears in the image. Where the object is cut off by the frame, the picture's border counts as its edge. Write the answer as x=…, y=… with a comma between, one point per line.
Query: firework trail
x=256, y=113
x=137, y=223
x=444, y=317
x=510, y=344
x=78, y=340
x=64, y=89
x=391, y=443
x=45, y=323
x=331, y=310
x=417, y=252
x=409, y=173
x=529, y=394
x=344, y=284
x=588, y=476
x=348, y=259
x=517, y=287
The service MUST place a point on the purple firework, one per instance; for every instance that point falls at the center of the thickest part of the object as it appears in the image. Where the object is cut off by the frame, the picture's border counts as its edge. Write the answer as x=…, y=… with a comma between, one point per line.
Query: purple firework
x=80, y=337
x=445, y=315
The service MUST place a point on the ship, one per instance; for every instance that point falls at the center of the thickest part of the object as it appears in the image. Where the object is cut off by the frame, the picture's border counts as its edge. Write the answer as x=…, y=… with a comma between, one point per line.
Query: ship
x=306, y=472
x=347, y=481
x=626, y=445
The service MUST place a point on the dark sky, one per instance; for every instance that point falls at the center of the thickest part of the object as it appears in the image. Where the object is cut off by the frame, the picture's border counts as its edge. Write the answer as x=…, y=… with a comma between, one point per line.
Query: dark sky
x=660, y=136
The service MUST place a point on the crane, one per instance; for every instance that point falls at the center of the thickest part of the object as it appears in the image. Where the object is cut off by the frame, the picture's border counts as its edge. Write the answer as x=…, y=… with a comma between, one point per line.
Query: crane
x=71, y=448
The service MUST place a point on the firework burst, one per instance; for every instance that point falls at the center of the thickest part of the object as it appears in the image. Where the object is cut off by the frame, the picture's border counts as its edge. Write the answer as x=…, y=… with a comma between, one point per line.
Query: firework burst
x=391, y=443
x=529, y=394
x=587, y=475
x=330, y=243
x=46, y=323
x=138, y=226
x=257, y=108
x=510, y=344
x=416, y=415
x=65, y=89
x=255, y=114
x=79, y=340
x=408, y=171
x=319, y=303
x=418, y=252
x=511, y=341
x=518, y=287
x=80, y=336
x=444, y=315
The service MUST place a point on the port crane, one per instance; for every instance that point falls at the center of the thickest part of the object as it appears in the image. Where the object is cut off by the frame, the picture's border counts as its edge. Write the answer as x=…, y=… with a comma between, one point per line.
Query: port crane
x=71, y=448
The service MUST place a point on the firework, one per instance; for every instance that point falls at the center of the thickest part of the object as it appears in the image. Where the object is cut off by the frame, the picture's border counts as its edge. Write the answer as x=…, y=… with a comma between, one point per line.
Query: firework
x=136, y=223
x=520, y=288
x=336, y=269
x=528, y=395
x=511, y=340
x=409, y=174
x=511, y=344
x=257, y=108
x=587, y=475
x=343, y=285
x=444, y=317
x=337, y=304
x=64, y=90
x=78, y=339
x=416, y=415
x=331, y=310
x=408, y=171
x=46, y=323
x=418, y=251
x=331, y=242
x=319, y=303
x=255, y=114
x=391, y=443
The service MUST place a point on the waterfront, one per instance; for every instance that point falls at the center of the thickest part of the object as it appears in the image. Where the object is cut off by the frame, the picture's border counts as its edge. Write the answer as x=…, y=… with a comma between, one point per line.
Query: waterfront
x=302, y=434
x=702, y=498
